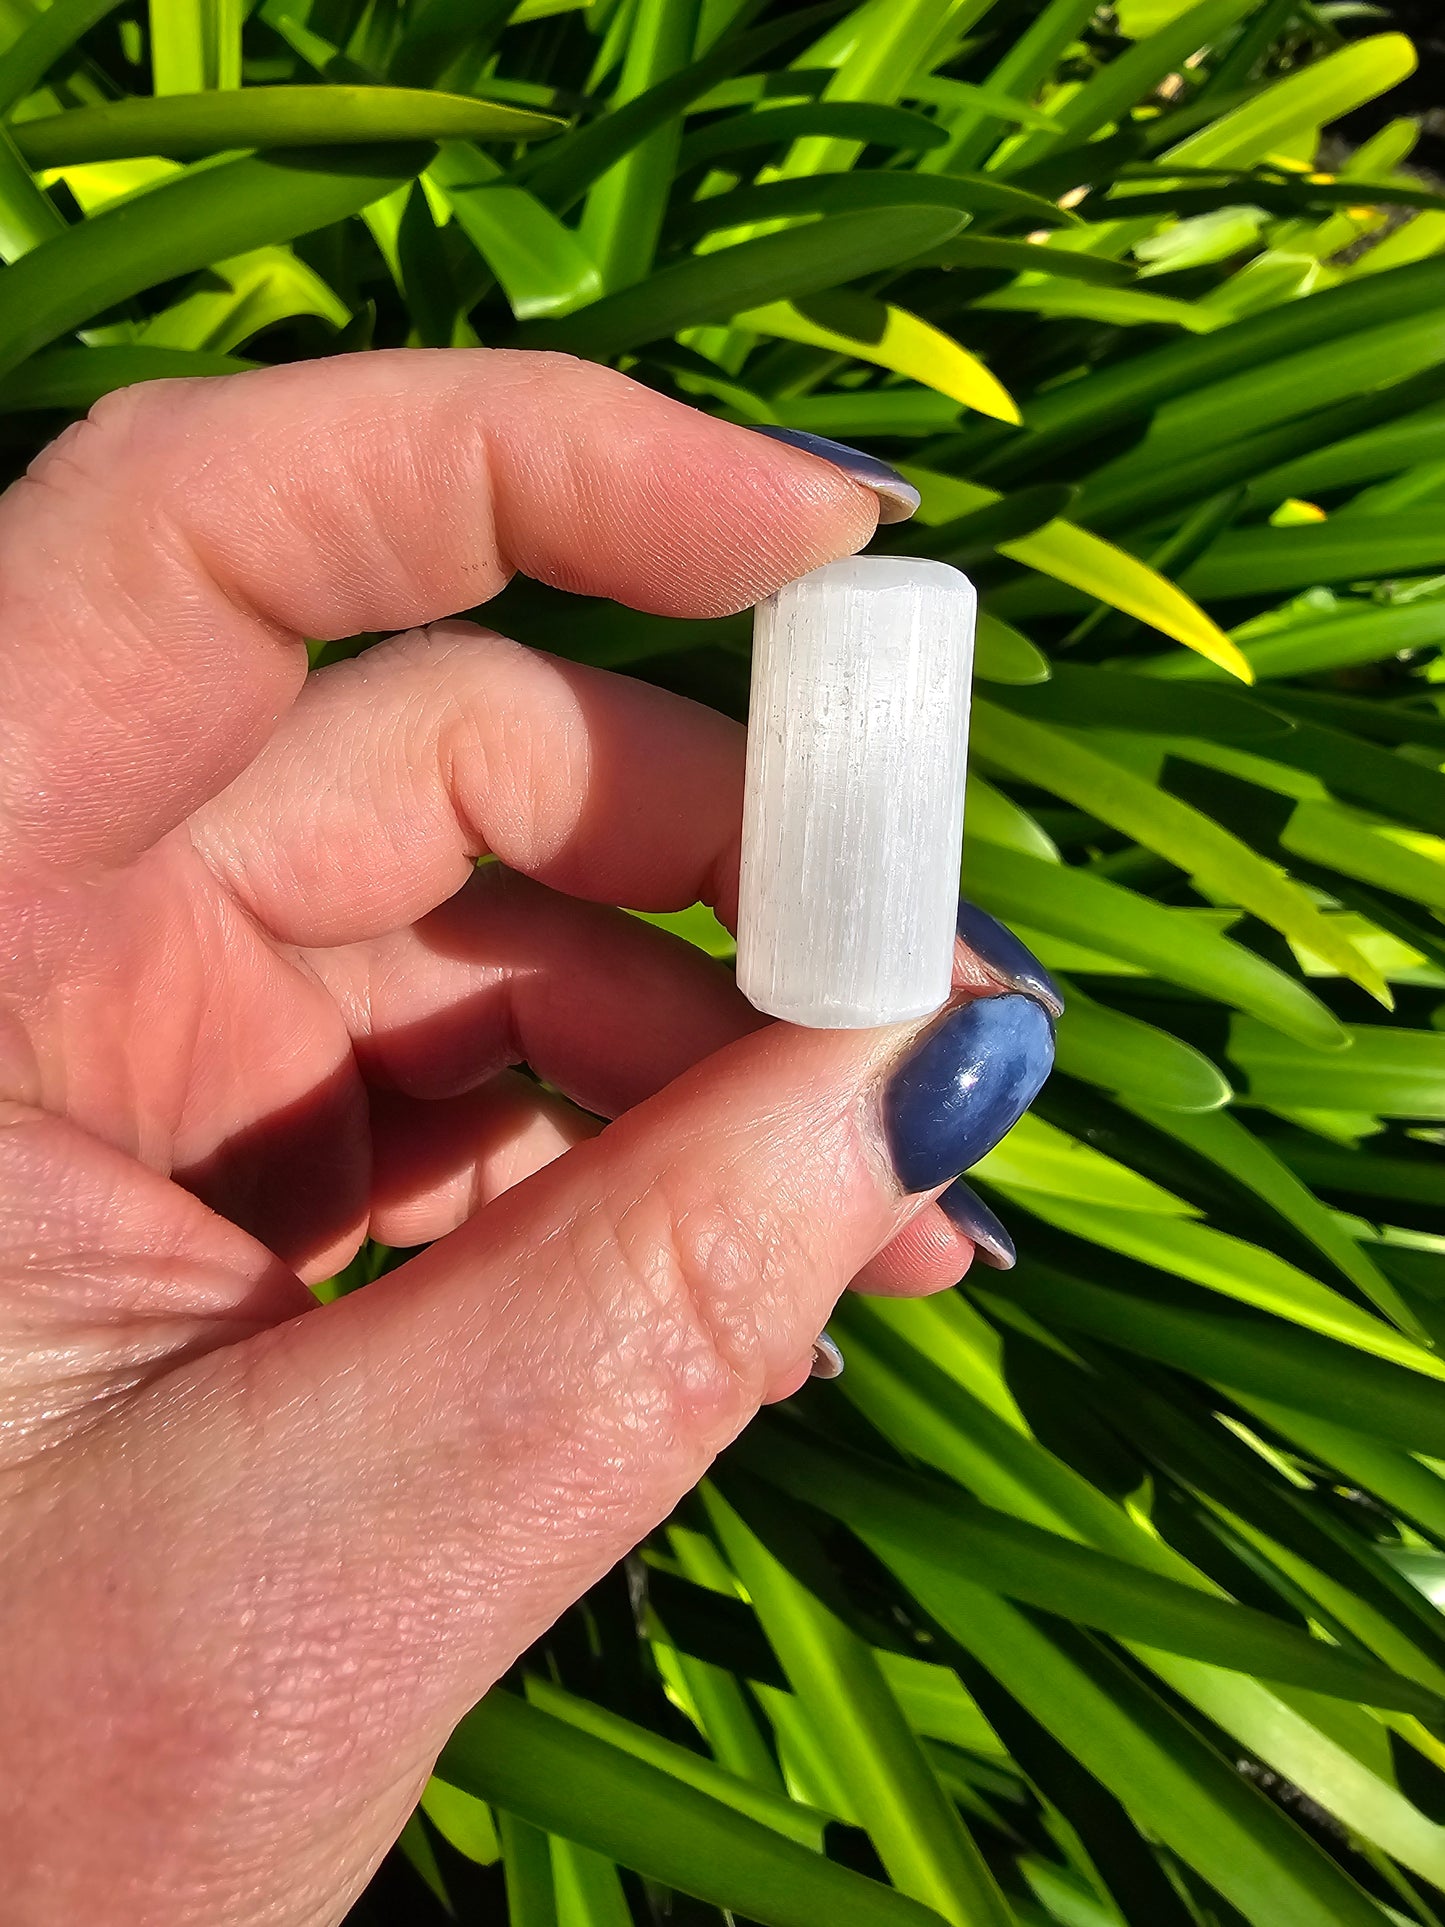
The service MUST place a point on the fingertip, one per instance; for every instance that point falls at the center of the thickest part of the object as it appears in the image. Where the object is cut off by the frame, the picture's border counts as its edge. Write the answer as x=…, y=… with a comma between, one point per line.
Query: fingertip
x=929, y=1255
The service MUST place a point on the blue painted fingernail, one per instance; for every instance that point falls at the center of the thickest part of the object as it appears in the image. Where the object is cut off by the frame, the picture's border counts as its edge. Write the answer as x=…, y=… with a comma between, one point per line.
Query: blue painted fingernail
x=966, y=1085
x=827, y=1359
x=897, y=498
x=964, y=1207
x=996, y=946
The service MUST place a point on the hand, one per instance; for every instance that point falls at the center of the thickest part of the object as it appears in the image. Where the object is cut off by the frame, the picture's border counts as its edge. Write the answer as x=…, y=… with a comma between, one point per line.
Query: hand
x=259, y=1555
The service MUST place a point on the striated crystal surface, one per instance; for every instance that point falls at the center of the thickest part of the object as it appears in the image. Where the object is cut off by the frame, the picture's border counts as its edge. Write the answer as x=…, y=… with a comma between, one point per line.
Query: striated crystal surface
x=853, y=817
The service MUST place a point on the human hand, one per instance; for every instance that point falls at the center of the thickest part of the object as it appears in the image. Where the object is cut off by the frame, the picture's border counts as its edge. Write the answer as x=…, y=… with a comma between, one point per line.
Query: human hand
x=259, y=1555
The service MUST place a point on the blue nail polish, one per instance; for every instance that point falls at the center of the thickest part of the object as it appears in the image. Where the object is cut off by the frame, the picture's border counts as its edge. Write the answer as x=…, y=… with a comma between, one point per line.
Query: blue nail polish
x=964, y=1207
x=996, y=946
x=897, y=498
x=966, y=1085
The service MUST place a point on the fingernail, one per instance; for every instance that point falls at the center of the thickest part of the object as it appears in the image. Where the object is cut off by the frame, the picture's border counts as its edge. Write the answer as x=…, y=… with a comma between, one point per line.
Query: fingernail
x=897, y=498
x=996, y=946
x=966, y=1085
x=827, y=1359
x=963, y=1207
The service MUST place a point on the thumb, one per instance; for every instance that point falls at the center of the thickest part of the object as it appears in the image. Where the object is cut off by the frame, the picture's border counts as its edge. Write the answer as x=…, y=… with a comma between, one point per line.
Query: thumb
x=395, y=1494
x=580, y=1351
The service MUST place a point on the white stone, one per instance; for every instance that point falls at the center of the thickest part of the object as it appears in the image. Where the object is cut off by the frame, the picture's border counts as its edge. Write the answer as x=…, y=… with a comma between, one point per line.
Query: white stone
x=853, y=817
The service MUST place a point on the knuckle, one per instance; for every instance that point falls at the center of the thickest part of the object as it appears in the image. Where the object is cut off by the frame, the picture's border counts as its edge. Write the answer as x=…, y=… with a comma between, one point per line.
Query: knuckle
x=86, y=455
x=697, y=1319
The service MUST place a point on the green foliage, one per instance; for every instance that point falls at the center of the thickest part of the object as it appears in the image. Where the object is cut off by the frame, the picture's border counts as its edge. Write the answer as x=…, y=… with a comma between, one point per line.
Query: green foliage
x=1105, y=1591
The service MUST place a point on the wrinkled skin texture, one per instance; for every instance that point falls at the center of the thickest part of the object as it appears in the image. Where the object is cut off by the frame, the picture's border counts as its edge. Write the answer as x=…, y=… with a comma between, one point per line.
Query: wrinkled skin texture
x=256, y=1555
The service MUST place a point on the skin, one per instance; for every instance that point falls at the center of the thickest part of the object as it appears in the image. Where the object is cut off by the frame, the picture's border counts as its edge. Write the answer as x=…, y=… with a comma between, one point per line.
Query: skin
x=258, y=1556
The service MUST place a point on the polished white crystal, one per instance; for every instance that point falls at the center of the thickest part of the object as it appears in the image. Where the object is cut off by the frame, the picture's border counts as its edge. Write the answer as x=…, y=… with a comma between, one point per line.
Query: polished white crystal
x=853, y=818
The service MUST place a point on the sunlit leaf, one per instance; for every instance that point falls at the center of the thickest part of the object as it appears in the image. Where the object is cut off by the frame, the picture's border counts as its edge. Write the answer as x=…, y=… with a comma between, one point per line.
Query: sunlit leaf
x=188, y=126
x=197, y=217
x=890, y=337
x=1088, y=563
x=772, y=267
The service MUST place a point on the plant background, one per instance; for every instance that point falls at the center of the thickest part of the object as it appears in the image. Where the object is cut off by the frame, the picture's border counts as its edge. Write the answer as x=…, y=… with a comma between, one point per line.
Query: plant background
x=1108, y=1589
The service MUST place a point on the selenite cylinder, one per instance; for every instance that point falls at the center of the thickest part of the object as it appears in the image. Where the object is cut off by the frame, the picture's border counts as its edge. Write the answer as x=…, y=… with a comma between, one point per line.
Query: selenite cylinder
x=853, y=814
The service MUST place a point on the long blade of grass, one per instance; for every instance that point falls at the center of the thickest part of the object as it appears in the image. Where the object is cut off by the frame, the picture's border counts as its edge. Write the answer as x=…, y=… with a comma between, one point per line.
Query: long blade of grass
x=574, y=1784
x=976, y=1545
x=49, y=37
x=1182, y=835
x=843, y=1694
x=773, y=267
x=190, y=126
x=183, y=224
x=1092, y=911
x=892, y=338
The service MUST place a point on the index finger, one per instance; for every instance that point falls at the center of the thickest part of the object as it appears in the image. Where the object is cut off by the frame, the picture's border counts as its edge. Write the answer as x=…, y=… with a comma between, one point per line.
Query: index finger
x=163, y=560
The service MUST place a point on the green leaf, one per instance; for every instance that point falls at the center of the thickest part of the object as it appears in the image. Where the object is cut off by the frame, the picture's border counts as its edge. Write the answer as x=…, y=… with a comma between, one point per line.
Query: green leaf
x=1001, y=654
x=1092, y=911
x=976, y=533
x=588, y=1888
x=870, y=187
x=1088, y=563
x=851, y=120
x=187, y=221
x=1079, y=697
x=1403, y=1180
x=541, y=265
x=1320, y=395
x=1250, y=562
x=625, y=206
x=1117, y=86
x=237, y=299
x=1082, y=411
x=994, y=1457
x=569, y=166
x=1218, y=861
x=1245, y=1351
x=435, y=32
x=680, y=1763
x=774, y=267
x=943, y=91
x=528, y=1861
x=412, y=1841
x=1119, y=307
x=880, y=51
x=1340, y=839
x=998, y=819
x=1413, y=241
x=1031, y=259
x=76, y=378
x=1168, y=1778
x=1357, y=634
x=27, y=215
x=195, y=43
x=1142, y=192
x=571, y=1783
x=1037, y=1156
x=46, y=39
x=842, y=1693
x=1023, y=66
x=868, y=330
x=190, y=126
x=1224, y=1140
x=1238, y=1269
x=941, y=1527
x=1404, y=1484
x=1122, y=1054
x=464, y=1823
x=1309, y=98
x=1387, y=1072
